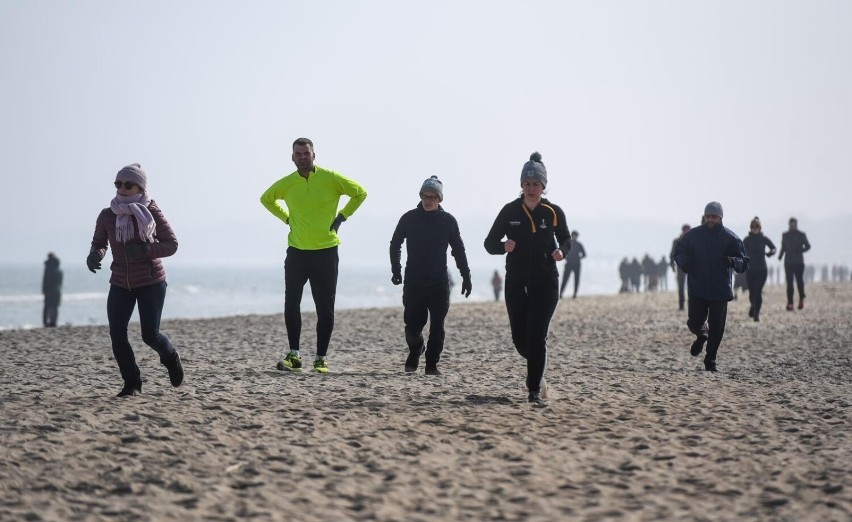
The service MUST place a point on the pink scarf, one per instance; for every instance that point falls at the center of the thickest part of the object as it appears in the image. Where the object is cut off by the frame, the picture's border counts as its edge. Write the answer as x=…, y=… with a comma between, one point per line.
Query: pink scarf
x=125, y=206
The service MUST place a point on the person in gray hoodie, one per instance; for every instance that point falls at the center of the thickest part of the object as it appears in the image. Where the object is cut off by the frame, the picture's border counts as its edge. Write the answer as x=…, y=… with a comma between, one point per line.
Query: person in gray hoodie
x=709, y=254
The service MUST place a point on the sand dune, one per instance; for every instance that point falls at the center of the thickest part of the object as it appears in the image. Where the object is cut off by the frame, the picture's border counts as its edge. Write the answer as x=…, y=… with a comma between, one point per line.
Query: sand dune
x=635, y=428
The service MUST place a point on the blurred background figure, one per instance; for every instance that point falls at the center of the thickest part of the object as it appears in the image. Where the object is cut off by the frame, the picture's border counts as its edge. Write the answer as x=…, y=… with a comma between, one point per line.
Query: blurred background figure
x=572, y=264
x=51, y=287
x=496, y=284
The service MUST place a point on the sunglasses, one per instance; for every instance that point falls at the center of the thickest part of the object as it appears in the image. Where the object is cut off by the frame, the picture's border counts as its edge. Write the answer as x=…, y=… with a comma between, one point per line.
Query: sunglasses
x=127, y=184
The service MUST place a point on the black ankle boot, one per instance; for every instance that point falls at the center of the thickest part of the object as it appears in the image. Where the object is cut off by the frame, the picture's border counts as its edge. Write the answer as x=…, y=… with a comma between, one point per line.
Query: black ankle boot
x=175, y=370
x=432, y=369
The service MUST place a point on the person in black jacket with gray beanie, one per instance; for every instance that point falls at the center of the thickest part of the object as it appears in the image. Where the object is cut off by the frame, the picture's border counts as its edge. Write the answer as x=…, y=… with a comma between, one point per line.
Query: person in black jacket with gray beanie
x=427, y=231
x=537, y=237
x=709, y=254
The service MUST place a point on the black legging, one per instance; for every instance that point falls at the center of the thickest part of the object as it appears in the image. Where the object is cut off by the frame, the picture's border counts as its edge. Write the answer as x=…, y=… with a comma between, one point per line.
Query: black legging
x=566, y=274
x=320, y=268
x=120, y=304
x=797, y=271
x=756, y=279
x=530, y=305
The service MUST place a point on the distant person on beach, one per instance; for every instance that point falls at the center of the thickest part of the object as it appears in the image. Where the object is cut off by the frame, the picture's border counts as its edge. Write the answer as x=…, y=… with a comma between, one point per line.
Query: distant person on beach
x=794, y=243
x=537, y=238
x=758, y=247
x=138, y=234
x=51, y=287
x=311, y=195
x=427, y=230
x=708, y=254
x=681, y=275
x=496, y=284
x=572, y=264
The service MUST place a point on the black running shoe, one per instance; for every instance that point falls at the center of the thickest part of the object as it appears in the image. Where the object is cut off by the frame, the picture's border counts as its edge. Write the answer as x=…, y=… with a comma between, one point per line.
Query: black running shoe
x=130, y=390
x=413, y=360
x=432, y=369
x=710, y=366
x=697, y=346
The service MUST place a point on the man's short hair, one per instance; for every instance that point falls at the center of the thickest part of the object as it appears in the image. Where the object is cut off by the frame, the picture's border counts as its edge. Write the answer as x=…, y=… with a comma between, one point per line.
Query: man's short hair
x=304, y=141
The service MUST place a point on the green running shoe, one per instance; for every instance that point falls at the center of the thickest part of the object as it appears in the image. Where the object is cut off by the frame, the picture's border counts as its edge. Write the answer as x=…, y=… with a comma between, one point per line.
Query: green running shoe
x=320, y=366
x=291, y=363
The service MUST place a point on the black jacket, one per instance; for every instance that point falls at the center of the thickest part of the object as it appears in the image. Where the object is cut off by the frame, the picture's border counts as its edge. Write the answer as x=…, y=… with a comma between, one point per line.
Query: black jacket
x=427, y=236
x=794, y=243
x=755, y=247
x=708, y=256
x=537, y=234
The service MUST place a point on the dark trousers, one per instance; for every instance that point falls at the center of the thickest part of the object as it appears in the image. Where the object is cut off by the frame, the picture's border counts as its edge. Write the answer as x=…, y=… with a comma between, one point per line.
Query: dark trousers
x=420, y=302
x=681, y=288
x=566, y=274
x=320, y=268
x=707, y=320
x=756, y=280
x=50, y=314
x=120, y=305
x=530, y=305
x=796, y=271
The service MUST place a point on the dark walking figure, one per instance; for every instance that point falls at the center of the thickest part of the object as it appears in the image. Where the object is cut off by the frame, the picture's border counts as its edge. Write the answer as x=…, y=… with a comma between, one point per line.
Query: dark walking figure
x=427, y=230
x=794, y=243
x=51, y=287
x=681, y=275
x=756, y=246
x=709, y=254
x=572, y=264
x=496, y=284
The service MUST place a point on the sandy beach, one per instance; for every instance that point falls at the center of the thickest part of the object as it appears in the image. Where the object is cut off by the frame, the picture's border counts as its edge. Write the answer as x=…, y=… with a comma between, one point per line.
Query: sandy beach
x=635, y=429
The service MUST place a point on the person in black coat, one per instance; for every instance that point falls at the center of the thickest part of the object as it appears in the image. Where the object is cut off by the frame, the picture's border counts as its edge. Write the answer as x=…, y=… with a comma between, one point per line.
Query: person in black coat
x=794, y=243
x=709, y=254
x=756, y=246
x=51, y=287
x=537, y=238
x=428, y=231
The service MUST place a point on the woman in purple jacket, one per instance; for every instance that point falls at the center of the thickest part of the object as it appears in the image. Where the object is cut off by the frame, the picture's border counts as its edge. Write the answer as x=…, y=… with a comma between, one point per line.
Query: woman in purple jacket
x=139, y=235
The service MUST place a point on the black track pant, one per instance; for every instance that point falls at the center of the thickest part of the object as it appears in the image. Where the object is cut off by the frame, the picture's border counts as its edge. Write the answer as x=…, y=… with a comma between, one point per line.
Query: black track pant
x=707, y=320
x=320, y=268
x=422, y=302
x=566, y=274
x=120, y=305
x=796, y=271
x=756, y=280
x=531, y=305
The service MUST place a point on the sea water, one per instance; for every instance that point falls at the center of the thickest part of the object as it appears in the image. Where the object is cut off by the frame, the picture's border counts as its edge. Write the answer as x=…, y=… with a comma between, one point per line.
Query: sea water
x=203, y=291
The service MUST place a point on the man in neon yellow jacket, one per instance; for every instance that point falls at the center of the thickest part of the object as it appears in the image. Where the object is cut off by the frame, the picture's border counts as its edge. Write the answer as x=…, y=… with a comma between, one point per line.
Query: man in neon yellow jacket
x=311, y=196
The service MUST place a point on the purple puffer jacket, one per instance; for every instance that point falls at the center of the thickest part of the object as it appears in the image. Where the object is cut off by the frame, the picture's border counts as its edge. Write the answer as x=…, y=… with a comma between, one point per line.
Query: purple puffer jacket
x=126, y=274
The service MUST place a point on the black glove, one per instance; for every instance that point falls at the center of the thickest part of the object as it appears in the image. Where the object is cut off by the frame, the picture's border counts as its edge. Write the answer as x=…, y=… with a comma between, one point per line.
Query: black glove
x=93, y=262
x=467, y=286
x=136, y=252
x=336, y=223
x=396, y=279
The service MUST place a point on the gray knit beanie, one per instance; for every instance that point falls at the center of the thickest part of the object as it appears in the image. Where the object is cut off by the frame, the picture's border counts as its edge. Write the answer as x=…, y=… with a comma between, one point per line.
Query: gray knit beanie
x=134, y=173
x=714, y=208
x=433, y=185
x=534, y=169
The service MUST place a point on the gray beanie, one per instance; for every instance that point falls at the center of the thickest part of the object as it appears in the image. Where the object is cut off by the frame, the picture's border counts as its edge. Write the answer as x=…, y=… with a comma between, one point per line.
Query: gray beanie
x=534, y=169
x=714, y=208
x=434, y=186
x=134, y=173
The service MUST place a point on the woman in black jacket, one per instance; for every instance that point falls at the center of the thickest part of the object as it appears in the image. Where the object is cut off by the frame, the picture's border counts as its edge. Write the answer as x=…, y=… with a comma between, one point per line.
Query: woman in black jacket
x=756, y=245
x=536, y=239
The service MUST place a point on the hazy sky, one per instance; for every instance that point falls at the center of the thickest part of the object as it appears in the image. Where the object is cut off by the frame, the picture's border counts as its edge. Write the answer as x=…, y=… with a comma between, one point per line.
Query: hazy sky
x=643, y=112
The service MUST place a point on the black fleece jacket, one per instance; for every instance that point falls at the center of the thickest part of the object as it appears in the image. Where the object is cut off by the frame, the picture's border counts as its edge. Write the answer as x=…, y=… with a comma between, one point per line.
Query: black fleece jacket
x=427, y=236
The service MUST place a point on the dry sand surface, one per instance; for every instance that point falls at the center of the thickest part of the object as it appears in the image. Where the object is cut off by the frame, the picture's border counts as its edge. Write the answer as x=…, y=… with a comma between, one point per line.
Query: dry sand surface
x=635, y=428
